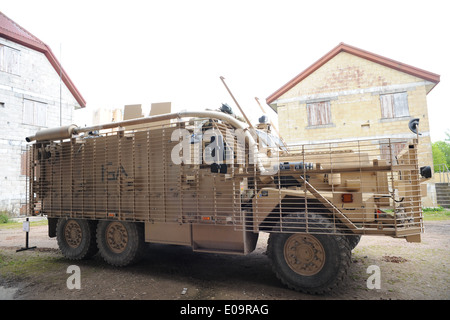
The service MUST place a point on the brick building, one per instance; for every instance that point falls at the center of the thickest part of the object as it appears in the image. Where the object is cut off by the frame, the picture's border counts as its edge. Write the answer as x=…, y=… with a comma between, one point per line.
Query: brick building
x=35, y=93
x=353, y=94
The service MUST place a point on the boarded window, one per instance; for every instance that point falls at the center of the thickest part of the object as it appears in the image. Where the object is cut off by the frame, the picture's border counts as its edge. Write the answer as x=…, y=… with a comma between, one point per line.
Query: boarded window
x=24, y=157
x=9, y=59
x=34, y=113
x=319, y=113
x=389, y=152
x=394, y=105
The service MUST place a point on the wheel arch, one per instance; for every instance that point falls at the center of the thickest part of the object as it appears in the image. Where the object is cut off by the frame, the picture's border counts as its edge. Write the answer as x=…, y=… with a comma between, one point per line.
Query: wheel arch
x=289, y=205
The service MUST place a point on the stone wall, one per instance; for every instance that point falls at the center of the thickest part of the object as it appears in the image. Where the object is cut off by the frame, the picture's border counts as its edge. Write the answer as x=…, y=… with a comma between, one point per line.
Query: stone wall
x=353, y=86
x=36, y=81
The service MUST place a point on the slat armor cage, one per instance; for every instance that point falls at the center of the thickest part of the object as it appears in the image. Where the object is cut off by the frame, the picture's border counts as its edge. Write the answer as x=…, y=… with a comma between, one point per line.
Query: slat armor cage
x=204, y=170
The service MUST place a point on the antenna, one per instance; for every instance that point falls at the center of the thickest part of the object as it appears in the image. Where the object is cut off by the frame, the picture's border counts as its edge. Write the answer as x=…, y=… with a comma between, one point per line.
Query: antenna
x=246, y=119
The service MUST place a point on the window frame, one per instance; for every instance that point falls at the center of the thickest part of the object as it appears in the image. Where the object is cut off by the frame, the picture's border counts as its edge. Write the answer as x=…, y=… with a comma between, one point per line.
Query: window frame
x=313, y=117
x=11, y=67
x=34, y=113
x=394, y=105
x=390, y=150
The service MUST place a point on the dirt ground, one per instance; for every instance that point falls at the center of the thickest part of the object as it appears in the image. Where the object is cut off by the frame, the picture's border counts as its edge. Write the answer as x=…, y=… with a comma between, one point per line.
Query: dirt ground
x=407, y=271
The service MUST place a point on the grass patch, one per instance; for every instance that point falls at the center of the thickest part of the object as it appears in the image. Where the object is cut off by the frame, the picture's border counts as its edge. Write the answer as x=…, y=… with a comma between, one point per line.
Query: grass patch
x=21, y=265
x=18, y=225
x=433, y=214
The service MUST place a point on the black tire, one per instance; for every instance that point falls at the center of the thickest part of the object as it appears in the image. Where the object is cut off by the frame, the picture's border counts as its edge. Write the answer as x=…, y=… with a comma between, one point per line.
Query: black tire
x=76, y=238
x=309, y=263
x=353, y=241
x=120, y=243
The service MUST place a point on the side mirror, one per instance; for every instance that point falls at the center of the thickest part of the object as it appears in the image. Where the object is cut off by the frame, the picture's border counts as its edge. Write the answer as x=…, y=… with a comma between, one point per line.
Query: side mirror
x=413, y=124
x=425, y=172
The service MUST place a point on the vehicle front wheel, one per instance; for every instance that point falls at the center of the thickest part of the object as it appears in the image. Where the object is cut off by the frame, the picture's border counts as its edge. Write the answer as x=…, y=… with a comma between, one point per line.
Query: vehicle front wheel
x=310, y=263
x=353, y=240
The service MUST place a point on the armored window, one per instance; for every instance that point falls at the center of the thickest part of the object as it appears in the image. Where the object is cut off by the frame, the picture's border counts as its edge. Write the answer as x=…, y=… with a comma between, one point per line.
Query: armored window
x=394, y=105
x=34, y=113
x=9, y=59
x=319, y=113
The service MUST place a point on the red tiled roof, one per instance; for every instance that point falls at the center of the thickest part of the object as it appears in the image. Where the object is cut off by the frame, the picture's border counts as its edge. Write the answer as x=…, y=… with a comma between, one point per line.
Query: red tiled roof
x=342, y=47
x=12, y=31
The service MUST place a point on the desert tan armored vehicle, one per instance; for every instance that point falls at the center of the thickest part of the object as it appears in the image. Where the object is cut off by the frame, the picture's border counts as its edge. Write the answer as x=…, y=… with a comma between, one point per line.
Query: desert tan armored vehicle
x=212, y=182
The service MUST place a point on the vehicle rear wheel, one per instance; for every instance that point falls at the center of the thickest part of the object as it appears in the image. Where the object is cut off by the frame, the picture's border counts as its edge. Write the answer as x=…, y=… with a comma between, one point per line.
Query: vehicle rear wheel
x=76, y=238
x=120, y=243
x=310, y=263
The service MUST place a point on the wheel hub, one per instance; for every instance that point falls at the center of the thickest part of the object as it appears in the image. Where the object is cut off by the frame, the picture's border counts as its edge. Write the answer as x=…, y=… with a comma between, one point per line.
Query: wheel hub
x=73, y=233
x=116, y=237
x=304, y=254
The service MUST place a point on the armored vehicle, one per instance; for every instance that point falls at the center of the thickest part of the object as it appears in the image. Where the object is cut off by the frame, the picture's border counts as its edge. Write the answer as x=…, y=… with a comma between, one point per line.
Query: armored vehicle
x=213, y=182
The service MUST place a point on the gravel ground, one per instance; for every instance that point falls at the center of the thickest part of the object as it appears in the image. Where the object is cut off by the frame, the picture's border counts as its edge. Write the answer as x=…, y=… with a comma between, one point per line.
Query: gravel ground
x=408, y=271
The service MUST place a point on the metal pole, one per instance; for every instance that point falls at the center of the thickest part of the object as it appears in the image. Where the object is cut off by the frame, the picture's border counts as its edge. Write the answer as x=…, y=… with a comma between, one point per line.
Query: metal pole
x=26, y=238
x=246, y=119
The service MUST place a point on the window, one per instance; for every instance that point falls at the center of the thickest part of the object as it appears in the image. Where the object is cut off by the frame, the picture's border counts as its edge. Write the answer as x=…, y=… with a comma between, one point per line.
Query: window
x=394, y=105
x=9, y=59
x=34, y=113
x=389, y=151
x=319, y=113
x=24, y=157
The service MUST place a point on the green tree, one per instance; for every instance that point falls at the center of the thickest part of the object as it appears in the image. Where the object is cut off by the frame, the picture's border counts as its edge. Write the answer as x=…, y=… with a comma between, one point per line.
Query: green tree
x=441, y=152
x=438, y=156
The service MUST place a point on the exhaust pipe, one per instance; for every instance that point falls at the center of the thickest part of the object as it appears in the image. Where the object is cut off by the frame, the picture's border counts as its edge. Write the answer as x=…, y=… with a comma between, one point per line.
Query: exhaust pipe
x=53, y=134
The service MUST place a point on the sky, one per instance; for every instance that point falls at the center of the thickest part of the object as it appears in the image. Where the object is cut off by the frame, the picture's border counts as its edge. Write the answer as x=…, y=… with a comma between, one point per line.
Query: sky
x=142, y=52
